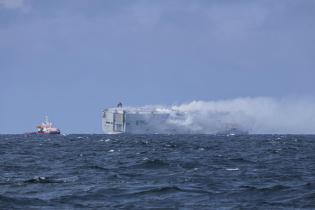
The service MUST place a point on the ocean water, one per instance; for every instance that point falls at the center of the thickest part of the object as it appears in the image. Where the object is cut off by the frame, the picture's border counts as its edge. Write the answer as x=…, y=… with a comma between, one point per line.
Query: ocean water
x=157, y=172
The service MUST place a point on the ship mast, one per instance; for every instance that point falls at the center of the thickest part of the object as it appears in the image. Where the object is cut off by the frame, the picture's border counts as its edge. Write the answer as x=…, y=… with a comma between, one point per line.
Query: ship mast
x=46, y=119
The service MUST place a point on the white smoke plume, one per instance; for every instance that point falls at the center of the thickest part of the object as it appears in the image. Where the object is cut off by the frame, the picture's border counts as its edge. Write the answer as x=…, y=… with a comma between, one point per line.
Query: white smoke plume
x=256, y=115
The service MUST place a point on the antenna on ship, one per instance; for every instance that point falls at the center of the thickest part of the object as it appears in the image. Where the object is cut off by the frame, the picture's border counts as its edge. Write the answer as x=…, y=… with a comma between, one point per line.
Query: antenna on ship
x=46, y=119
x=119, y=105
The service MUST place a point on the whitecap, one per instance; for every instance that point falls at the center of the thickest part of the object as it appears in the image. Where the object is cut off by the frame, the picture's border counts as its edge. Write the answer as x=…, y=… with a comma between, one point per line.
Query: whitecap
x=232, y=169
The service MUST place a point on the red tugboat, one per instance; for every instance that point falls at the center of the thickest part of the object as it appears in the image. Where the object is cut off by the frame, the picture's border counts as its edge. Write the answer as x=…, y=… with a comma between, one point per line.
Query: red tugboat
x=47, y=128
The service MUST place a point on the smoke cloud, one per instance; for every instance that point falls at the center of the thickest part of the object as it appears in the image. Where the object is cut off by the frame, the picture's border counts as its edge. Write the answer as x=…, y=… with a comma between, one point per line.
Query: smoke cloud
x=256, y=115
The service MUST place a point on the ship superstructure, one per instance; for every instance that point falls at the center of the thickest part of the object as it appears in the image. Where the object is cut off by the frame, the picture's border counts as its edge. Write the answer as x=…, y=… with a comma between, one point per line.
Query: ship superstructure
x=150, y=120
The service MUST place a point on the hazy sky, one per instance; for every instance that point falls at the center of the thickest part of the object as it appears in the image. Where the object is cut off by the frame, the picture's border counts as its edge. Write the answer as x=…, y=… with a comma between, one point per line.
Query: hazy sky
x=72, y=58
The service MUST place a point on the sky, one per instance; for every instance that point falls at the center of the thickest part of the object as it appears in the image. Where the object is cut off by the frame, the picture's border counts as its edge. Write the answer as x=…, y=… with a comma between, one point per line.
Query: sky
x=70, y=59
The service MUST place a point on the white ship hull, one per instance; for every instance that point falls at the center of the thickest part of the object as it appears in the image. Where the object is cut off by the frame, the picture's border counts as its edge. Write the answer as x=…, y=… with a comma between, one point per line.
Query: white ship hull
x=152, y=121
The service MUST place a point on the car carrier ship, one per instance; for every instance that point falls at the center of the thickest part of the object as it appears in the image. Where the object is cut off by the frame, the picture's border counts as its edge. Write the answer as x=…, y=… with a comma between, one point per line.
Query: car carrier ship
x=146, y=120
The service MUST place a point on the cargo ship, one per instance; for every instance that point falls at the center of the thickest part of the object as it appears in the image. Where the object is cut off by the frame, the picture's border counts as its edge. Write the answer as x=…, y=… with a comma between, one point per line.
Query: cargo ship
x=146, y=120
x=46, y=128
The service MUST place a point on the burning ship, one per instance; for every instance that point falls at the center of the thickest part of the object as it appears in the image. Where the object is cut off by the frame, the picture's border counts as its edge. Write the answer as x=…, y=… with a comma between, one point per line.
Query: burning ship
x=143, y=120
x=47, y=128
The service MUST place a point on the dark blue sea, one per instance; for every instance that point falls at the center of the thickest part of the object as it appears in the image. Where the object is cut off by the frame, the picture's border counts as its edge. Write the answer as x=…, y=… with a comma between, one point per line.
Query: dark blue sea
x=157, y=172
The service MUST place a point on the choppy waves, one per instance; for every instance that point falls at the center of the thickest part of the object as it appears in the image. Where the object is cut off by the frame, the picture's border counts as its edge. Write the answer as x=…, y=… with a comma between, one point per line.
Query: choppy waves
x=157, y=171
